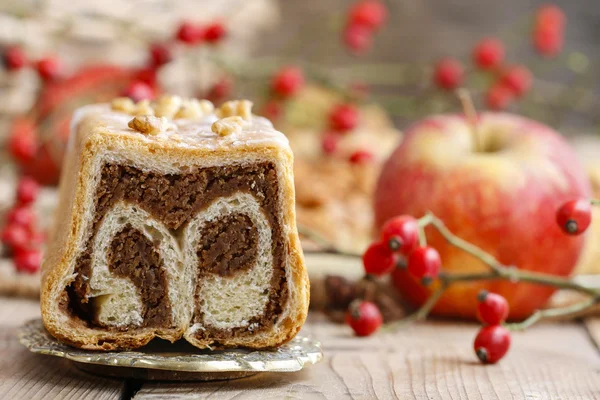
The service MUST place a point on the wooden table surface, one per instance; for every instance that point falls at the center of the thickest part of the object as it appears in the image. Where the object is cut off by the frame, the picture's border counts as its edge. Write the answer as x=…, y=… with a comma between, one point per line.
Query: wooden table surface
x=432, y=360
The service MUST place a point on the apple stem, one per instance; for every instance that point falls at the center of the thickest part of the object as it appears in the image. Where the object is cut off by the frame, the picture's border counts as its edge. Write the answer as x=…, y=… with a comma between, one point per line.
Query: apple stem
x=471, y=115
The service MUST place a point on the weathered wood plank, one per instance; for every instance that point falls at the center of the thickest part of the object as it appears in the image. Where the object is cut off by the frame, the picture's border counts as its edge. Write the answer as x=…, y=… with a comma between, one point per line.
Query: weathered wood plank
x=432, y=360
x=24, y=375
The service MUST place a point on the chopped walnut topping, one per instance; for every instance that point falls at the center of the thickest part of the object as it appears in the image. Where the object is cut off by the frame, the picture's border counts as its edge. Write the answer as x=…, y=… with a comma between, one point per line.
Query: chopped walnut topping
x=228, y=126
x=143, y=107
x=150, y=125
x=167, y=106
x=240, y=108
x=124, y=104
x=194, y=108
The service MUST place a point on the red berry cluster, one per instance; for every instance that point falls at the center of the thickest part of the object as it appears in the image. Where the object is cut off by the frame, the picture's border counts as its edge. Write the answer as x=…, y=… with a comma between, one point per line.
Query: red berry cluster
x=493, y=340
x=20, y=234
x=286, y=83
x=364, y=19
x=160, y=53
x=574, y=216
x=399, y=247
x=194, y=34
x=548, y=31
x=510, y=82
x=342, y=119
x=49, y=68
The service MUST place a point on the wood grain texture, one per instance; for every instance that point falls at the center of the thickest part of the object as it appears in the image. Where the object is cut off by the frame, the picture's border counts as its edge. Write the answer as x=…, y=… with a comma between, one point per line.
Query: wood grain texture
x=24, y=375
x=432, y=360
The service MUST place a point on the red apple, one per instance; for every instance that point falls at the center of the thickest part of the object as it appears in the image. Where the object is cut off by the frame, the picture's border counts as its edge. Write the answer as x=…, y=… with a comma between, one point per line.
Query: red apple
x=502, y=197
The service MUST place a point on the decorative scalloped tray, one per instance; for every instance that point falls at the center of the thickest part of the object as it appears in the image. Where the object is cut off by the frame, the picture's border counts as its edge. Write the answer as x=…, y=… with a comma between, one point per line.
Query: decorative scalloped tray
x=161, y=360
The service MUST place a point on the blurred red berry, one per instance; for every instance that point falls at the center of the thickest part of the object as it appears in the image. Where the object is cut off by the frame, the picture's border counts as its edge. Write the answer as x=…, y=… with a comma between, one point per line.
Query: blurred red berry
x=190, y=33
x=22, y=215
x=370, y=14
x=488, y=53
x=358, y=38
x=15, y=236
x=449, y=74
x=491, y=343
x=378, y=259
x=23, y=147
x=498, y=97
x=220, y=90
x=27, y=190
x=548, y=42
x=492, y=308
x=343, y=117
x=574, y=216
x=363, y=317
x=550, y=16
x=361, y=157
x=424, y=263
x=138, y=91
x=518, y=79
x=49, y=68
x=401, y=234
x=330, y=142
x=272, y=110
x=28, y=260
x=14, y=58
x=288, y=81
x=214, y=32
x=160, y=54
x=146, y=75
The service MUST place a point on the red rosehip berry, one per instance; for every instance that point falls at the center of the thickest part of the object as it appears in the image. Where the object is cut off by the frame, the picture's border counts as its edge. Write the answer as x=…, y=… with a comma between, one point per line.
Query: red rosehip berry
x=15, y=236
x=363, y=317
x=488, y=53
x=518, y=79
x=138, y=91
x=220, y=90
x=370, y=14
x=14, y=58
x=272, y=110
x=378, y=259
x=22, y=215
x=343, y=117
x=190, y=33
x=49, y=68
x=28, y=260
x=160, y=54
x=27, y=190
x=424, y=263
x=550, y=16
x=146, y=75
x=357, y=38
x=361, y=157
x=330, y=142
x=548, y=42
x=491, y=343
x=214, y=32
x=449, y=74
x=23, y=146
x=492, y=308
x=574, y=216
x=401, y=234
x=498, y=97
x=288, y=81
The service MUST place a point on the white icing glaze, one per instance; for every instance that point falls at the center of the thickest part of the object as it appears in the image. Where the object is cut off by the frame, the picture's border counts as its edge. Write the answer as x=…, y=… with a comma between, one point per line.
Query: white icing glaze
x=189, y=132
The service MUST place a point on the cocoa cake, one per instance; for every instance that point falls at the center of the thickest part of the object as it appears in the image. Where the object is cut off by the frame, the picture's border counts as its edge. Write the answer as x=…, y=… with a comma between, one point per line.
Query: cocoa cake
x=175, y=220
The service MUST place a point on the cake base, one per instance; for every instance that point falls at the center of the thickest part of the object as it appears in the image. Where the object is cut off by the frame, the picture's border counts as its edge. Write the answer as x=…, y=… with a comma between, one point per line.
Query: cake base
x=180, y=361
